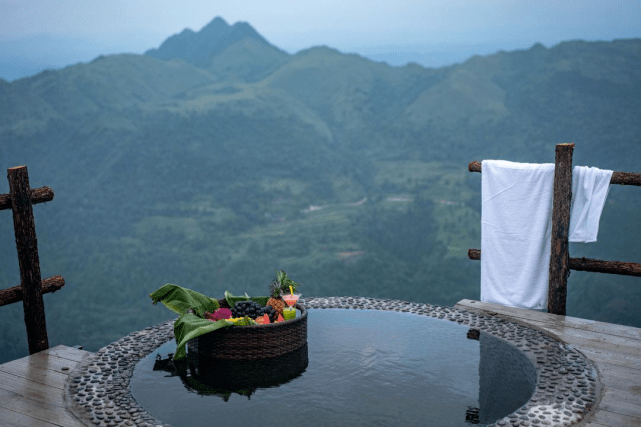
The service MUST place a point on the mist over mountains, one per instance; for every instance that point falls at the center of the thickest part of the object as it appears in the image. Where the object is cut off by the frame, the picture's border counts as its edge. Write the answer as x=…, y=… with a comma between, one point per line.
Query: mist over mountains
x=215, y=158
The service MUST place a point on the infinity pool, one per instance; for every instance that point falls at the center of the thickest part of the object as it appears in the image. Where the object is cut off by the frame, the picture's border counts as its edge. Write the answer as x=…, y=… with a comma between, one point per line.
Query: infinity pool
x=359, y=368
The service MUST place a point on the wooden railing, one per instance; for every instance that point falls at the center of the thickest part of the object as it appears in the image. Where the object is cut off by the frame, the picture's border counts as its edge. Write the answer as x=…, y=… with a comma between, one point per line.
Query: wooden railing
x=20, y=200
x=560, y=261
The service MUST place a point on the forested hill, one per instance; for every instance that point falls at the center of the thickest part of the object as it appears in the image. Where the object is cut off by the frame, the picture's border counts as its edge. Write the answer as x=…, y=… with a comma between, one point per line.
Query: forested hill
x=215, y=158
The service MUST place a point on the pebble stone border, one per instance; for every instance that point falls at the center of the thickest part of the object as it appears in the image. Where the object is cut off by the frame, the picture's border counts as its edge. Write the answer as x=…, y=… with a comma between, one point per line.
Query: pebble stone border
x=98, y=392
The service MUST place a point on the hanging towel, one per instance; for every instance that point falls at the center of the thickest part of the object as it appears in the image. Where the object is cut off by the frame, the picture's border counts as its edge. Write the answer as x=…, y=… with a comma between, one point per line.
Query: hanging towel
x=516, y=227
x=515, y=232
x=590, y=187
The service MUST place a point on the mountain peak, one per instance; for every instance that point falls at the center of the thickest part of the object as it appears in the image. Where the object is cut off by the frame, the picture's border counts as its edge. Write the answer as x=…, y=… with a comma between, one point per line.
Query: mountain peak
x=215, y=28
x=198, y=48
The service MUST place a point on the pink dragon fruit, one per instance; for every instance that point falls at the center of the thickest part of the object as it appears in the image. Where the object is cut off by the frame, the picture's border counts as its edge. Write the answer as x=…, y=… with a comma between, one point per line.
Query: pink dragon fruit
x=221, y=313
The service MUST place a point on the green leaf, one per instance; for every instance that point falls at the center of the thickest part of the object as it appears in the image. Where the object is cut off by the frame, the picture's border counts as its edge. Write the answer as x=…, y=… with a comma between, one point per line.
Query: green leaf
x=231, y=300
x=179, y=299
x=189, y=326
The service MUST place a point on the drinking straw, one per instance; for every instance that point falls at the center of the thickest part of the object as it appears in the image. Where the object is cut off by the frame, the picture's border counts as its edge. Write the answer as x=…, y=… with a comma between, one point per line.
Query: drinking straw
x=291, y=291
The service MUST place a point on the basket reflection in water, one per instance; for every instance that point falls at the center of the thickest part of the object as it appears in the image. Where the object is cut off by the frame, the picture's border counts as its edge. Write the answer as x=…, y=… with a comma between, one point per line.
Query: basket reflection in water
x=204, y=375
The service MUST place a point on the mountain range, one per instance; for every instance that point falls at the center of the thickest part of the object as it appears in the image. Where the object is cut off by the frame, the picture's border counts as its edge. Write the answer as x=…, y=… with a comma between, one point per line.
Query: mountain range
x=217, y=157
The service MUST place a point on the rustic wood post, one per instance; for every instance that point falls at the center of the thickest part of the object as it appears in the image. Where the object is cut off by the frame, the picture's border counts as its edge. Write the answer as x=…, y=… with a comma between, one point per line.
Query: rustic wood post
x=559, y=251
x=27, y=245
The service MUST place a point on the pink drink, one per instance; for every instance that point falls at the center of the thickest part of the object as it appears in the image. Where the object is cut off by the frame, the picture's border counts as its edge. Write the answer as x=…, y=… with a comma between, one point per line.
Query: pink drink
x=291, y=299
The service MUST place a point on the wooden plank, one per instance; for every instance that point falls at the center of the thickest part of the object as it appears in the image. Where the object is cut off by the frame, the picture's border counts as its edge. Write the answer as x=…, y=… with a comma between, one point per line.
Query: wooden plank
x=621, y=402
x=598, y=340
x=33, y=390
x=70, y=353
x=597, y=346
x=10, y=418
x=45, y=361
x=600, y=356
x=54, y=415
x=34, y=372
x=619, y=376
x=565, y=321
x=607, y=418
x=564, y=330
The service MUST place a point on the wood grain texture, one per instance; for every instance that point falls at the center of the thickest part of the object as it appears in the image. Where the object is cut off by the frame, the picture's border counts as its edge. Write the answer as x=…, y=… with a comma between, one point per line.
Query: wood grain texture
x=559, y=249
x=36, y=410
x=69, y=353
x=609, y=267
x=38, y=195
x=533, y=316
x=25, y=231
x=588, y=264
x=620, y=178
x=614, y=349
x=14, y=294
x=32, y=389
x=11, y=418
x=607, y=418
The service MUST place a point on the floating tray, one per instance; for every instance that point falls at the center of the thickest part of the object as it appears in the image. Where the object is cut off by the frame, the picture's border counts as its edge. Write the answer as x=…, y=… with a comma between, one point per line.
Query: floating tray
x=253, y=342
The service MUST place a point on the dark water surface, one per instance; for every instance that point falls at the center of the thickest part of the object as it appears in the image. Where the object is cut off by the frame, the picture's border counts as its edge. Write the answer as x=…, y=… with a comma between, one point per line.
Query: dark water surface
x=359, y=368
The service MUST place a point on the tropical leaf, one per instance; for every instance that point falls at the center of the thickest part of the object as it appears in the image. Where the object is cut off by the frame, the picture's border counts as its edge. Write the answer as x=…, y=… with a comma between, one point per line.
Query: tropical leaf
x=189, y=326
x=179, y=300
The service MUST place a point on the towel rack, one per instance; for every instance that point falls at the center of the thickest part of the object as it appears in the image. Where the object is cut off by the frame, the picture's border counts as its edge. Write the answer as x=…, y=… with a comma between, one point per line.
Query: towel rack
x=560, y=261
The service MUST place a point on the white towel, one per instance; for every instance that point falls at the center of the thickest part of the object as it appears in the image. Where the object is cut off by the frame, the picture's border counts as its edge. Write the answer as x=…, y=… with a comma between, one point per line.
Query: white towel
x=590, y=187
x=516, y=227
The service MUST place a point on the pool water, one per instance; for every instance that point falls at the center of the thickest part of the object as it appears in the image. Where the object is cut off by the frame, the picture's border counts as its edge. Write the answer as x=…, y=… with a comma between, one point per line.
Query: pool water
x=359, y=368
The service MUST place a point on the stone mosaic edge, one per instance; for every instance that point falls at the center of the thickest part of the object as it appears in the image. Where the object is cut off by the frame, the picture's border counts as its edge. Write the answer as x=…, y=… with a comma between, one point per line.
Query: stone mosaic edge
x=98, y=392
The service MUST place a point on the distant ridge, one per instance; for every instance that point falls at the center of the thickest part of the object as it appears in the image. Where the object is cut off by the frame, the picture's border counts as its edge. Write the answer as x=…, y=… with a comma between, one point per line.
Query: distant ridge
x=203, y=47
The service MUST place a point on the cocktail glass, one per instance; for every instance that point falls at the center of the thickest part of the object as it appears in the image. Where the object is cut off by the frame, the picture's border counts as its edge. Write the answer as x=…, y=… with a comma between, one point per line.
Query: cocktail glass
x=291, y=299
x=290, y=311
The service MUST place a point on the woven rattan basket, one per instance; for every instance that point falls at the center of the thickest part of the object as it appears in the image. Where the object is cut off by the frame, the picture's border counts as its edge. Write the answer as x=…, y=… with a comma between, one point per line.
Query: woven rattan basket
x=253, y=342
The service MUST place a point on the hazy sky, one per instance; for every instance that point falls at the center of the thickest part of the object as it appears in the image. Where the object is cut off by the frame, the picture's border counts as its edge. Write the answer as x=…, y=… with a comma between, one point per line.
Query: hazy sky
x=50, y=32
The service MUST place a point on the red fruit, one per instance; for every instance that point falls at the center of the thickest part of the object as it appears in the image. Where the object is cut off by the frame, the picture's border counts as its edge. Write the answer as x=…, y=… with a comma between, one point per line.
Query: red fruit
x=221, y=313
x=280, y=318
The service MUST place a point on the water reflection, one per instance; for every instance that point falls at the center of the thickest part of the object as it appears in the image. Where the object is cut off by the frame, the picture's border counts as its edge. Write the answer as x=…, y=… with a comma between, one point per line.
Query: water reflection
x=507, y=379
x=216, y=377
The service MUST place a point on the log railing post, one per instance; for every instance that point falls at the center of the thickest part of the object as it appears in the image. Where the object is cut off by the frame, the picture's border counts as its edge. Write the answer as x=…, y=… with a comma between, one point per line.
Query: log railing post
x=559, y=250
x=27, y=245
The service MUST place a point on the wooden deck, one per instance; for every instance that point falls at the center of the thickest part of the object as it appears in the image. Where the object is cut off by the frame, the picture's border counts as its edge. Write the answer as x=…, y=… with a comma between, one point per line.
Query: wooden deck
x=614, y=349
x=31, y=389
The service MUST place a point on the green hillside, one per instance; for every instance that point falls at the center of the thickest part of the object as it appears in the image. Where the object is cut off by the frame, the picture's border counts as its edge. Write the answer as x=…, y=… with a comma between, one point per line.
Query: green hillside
x=209, y=167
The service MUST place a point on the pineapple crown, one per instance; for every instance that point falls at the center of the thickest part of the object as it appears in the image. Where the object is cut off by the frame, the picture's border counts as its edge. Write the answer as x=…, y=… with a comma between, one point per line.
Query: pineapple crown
x=280, y=285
